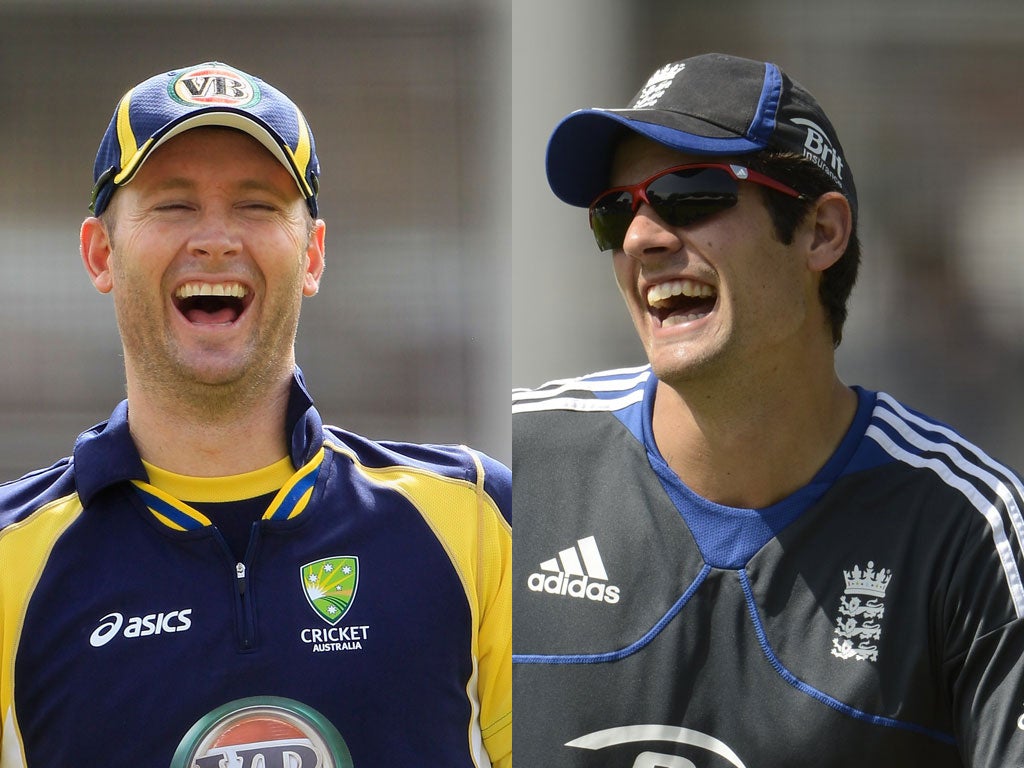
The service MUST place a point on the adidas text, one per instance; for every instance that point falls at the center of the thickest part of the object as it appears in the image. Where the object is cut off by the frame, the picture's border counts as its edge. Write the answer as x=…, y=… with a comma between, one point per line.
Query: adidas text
x=582, y=587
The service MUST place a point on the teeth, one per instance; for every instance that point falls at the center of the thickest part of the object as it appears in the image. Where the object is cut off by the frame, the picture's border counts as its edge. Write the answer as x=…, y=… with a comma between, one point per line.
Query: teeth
x=188, y=290
x=673, y=320
x=657, y=295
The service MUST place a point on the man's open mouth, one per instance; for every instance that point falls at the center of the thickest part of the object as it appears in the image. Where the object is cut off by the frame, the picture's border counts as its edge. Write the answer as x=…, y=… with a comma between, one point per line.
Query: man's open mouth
x=212, y=303
x=680, y=301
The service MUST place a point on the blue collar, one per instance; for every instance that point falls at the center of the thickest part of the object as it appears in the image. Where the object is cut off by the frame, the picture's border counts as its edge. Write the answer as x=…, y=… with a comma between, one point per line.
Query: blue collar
x=106, y=454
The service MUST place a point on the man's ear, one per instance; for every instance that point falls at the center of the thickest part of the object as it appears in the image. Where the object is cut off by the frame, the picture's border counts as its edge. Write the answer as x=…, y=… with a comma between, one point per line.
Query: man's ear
x=96, y=249
x=315, y=259
x=832, y=225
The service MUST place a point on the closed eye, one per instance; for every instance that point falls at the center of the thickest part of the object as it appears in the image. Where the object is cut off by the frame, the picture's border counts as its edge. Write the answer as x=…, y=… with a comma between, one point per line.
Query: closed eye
x=258, y=207
x=174, y=206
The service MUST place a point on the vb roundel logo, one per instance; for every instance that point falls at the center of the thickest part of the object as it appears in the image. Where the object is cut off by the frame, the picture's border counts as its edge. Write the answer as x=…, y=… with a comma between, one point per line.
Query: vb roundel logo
x=330, y=586
x=213, y=85
x=263, y=732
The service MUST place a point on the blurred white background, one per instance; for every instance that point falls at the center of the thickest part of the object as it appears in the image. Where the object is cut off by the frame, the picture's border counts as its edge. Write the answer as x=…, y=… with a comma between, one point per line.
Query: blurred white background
x=453, y=272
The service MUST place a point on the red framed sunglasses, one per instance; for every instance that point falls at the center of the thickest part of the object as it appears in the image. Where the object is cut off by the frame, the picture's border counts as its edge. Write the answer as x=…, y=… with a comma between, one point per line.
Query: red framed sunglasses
x=681, y=196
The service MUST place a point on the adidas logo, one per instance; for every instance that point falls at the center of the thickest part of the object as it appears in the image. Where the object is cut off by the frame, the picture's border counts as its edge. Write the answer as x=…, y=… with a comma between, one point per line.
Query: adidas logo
x=577, y=572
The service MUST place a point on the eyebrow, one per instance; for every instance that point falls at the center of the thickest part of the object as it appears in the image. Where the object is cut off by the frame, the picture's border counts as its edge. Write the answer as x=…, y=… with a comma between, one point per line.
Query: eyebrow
x=176, y=182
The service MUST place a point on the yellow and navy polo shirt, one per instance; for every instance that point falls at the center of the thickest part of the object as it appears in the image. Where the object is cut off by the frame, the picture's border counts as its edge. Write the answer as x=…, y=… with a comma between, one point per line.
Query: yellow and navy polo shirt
x=368, y=622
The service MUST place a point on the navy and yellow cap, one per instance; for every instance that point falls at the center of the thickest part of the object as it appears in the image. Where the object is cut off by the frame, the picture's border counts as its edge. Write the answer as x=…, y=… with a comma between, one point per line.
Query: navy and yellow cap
x=210, y=94
x=712, y=104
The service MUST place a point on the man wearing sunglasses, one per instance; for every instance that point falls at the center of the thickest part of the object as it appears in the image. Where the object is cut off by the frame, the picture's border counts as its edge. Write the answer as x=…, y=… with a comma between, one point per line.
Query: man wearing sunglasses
x=215, y=577
x=728, y=557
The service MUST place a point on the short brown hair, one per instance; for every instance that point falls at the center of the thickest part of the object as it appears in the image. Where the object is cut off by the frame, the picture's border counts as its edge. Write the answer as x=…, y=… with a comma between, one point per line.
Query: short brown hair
x=787, y=212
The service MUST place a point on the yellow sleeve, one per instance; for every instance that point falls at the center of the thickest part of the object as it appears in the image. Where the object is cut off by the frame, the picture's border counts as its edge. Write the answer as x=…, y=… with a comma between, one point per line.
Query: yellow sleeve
x=24, y=549
x=478, y=541
x=495, y=635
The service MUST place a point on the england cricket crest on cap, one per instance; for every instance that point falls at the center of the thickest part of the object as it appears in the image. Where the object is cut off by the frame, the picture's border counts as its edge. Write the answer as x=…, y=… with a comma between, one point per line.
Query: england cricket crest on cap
x=656, y=86
x=330, y=586
x=214, y=85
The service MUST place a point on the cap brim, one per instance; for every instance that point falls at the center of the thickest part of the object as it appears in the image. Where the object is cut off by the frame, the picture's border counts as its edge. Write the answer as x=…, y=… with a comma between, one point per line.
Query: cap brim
x=580, y=150
x=213, y=117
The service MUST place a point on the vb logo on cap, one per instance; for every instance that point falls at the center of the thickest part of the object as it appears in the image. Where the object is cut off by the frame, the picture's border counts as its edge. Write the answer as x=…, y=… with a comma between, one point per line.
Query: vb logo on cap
x=208, y=85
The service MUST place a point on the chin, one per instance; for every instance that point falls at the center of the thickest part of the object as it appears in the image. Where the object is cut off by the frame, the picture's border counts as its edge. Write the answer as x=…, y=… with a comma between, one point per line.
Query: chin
x=679, y=366
x=214, y=371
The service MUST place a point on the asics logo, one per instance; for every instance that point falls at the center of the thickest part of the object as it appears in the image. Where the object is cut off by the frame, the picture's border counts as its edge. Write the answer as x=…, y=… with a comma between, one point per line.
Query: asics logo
x=578, y=572
x=140, y=626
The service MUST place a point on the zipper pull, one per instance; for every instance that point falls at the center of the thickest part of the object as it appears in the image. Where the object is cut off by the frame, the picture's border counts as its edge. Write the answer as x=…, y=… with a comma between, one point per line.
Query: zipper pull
x=240, y=575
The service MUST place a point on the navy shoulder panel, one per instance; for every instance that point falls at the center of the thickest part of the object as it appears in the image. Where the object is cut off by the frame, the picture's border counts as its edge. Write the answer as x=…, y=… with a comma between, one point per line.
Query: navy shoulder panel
x=454, y=461
x=20, y=498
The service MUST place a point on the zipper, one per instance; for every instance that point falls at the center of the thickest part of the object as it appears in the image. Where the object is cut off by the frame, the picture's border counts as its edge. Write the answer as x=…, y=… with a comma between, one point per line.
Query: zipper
x=245, y=618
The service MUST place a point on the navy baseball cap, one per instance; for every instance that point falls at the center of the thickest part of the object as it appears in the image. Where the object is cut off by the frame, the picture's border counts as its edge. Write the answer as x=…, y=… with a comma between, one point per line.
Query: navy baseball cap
x=207, y=94
x=712, y=104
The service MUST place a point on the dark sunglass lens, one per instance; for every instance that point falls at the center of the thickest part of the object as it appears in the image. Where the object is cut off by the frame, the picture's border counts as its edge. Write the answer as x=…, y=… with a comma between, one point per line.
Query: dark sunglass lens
x=694, y=181
x=684, y=211
x=610, y=217
x=685, y=197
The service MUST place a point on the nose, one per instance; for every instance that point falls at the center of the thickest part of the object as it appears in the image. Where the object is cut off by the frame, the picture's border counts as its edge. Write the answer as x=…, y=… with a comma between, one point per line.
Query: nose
x=648, y=235
x=216, y=235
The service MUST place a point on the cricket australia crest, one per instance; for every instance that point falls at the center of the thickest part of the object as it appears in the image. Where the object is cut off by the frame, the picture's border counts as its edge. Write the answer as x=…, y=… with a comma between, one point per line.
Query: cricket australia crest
x=330, y=586
x=861, y=609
